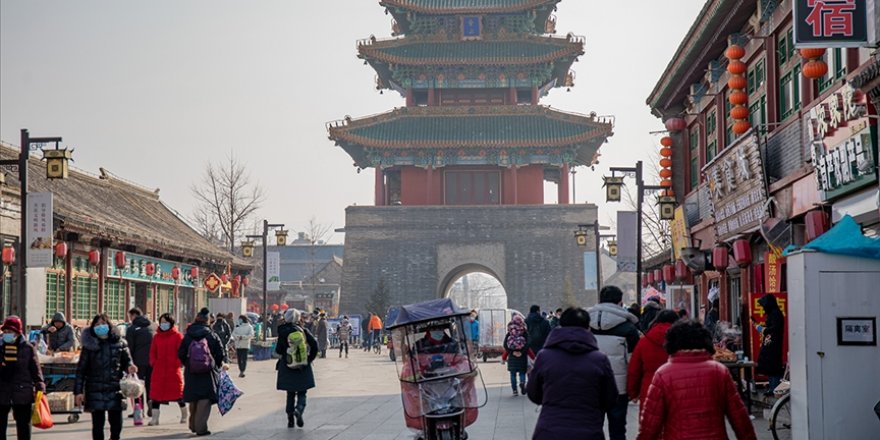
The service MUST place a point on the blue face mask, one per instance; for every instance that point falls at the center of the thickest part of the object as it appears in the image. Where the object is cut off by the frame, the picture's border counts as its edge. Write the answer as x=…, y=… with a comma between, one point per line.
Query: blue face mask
x=8, y=338
x=102, y=330
x=165, y=326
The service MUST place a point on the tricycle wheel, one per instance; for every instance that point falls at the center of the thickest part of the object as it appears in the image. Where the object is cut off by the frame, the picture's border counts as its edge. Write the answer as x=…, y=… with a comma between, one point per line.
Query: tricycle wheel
x=392, y=355
x=485, y=357
x=73, y=418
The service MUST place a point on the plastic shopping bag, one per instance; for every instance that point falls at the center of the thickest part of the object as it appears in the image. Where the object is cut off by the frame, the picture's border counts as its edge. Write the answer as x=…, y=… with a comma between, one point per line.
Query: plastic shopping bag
x=227, y=393
x=131, y=387
x=42, y=416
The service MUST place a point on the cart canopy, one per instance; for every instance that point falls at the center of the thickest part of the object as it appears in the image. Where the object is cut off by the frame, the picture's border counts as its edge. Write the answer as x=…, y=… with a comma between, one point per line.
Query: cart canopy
x=426, y=311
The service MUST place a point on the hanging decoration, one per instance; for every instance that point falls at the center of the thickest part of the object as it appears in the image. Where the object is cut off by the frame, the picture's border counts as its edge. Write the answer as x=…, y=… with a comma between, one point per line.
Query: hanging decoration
x=60, y=249
x=94, y=257
x=175, y=273
x=737, y=84
x=150, y=269
x=674, y=125
x=667, y=199
x=814, y=67
x=8, y=255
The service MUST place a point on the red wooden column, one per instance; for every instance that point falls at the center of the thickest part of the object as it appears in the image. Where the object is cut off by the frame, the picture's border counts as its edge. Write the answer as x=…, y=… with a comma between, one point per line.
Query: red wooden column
x=515, y=188
x=409, y=97
x=431, y=97
x=380, y=187
x=535, y=96
x=511, y=96
x=429, y=186
x=563, y=187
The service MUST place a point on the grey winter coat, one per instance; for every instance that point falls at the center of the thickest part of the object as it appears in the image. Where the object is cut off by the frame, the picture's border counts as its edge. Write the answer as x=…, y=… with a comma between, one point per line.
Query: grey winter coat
x=201, y=386
x=61, y=339
x=102, y=364
x=616, y=332
x=323, y=334
x=289, y=379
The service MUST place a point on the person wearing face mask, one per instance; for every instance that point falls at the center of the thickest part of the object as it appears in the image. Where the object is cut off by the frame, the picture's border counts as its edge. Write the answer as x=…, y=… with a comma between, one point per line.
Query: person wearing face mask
x=102, y=364
x=242, y=335
x=166, y=384
x=139, y=337
x=20, y=378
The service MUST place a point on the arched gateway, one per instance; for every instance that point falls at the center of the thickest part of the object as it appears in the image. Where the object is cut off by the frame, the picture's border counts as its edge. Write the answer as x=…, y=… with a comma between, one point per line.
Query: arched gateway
x=460, y=169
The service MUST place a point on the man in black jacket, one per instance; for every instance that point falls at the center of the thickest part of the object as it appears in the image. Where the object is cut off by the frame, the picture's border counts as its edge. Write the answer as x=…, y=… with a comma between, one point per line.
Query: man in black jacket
x=538, y=328
x=139, y=336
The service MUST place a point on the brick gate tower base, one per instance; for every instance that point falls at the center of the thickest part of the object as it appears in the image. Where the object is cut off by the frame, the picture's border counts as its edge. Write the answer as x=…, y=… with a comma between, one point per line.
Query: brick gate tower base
x=420, y=250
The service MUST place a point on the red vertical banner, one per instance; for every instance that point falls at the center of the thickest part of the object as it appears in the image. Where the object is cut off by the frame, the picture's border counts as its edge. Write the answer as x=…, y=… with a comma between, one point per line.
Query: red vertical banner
x=772, y=272
x=757, y=312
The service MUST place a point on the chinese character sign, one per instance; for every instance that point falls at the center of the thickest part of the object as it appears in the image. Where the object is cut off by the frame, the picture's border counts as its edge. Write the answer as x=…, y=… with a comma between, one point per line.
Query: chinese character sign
x=738, y=194
x=831, y=23
x=273, y=270
x=678, y=228
x=40, y=229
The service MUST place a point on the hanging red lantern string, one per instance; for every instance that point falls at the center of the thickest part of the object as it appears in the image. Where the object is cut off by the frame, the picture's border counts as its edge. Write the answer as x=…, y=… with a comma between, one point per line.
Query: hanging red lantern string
x=666, y=159
x=737, y=84
x=814, y=67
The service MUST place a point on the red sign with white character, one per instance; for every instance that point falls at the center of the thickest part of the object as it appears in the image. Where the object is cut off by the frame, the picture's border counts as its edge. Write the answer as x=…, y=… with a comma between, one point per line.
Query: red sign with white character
x=831, y=23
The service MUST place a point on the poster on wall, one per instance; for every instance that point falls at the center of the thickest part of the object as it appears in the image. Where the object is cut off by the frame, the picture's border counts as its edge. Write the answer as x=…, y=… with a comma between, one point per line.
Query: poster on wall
x=627, y=232
x=681, y=298
x=273, y=270
x=39, y=220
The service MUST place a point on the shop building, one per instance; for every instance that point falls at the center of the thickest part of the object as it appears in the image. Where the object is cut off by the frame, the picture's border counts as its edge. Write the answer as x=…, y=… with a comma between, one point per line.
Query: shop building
x=115, y=245
x=767, y=150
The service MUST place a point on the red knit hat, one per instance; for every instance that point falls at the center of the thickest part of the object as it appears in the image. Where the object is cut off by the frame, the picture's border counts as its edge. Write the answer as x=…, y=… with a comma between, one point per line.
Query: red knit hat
x=12, y=323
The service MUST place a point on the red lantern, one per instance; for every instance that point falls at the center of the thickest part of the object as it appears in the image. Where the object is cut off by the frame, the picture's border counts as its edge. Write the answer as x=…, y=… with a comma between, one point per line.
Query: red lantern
x=650, y=277
x=665, y=173
x=194, y=273
x=245, y=281
x=816, y=223
x=666, y=152
x=735, y=52
x=739, y=112
x=742, y=252
x=666, y=141
x=736, y=67
x=8, y=255
x=668, y=273
x=60, y=249
x=150, y=269
x=175, y=273
x=237, y=279
x=224, y=278
x=665, y=163
x=235, y=286
x=119, y=259
x=284, y=307
x=658, y=275
x=94, y=257
x=737, y=82
x=719, y=258
x=812, y=53
x=738, y=98
x=274, y=307
x=815, y=69
x=740, y=127
x=666, y=183
x=681, y=270
x=675, y=125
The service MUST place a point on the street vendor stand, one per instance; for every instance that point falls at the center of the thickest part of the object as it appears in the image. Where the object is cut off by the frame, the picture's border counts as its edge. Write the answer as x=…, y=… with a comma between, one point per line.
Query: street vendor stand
x=59, y=373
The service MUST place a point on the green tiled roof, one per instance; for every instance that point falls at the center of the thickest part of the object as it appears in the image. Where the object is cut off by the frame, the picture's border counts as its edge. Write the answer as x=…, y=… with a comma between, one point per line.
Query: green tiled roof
x=458, y=6
x=454, y=127
x=526, y=51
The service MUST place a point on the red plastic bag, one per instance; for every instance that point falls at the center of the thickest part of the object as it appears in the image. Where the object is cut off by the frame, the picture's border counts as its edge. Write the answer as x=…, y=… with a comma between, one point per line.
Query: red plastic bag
x=42, y=416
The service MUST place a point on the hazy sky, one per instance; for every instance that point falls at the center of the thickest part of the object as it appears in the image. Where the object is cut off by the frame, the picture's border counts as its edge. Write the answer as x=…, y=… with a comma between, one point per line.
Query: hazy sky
x=152, y=90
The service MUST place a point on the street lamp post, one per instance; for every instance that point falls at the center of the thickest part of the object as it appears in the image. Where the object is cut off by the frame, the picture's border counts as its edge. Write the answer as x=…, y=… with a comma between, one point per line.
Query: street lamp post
x=281, y=240
x=22, y=164
x=640, y=198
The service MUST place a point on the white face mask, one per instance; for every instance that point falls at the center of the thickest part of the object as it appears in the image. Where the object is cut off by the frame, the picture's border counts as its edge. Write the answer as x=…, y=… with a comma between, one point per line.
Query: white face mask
x=437, y=334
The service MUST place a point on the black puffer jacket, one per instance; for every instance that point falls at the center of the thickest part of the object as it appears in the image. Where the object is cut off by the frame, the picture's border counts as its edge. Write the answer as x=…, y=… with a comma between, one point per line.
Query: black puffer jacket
x=139, y=336
x=21, y=378
x=201, y=386
x=102, y=364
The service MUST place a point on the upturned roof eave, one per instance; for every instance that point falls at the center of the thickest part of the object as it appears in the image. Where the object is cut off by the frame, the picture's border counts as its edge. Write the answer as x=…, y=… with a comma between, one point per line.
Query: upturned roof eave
x=521, y=6
x=565, y=48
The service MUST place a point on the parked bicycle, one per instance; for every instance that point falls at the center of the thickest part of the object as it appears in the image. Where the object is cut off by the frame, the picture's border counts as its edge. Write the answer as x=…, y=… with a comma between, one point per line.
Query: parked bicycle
x=780, y=414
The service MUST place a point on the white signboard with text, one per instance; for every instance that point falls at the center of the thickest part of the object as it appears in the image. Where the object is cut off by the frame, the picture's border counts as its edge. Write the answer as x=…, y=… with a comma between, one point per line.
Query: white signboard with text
x=39, y=235
x=273, y=270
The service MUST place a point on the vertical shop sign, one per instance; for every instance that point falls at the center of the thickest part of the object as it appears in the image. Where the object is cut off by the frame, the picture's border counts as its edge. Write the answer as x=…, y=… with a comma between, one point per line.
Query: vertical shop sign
x=627, y=232
x=773, y=272
x=679, y=231
x=39, y=221
x=273, y=270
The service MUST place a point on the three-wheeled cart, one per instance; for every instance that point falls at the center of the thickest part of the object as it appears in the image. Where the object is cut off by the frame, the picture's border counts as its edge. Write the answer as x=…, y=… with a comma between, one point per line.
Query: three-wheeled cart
x=60, y=378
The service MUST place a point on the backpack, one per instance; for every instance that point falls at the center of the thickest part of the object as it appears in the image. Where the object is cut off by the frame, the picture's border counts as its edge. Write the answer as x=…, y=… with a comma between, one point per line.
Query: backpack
x=297, y=350
x=200, y=359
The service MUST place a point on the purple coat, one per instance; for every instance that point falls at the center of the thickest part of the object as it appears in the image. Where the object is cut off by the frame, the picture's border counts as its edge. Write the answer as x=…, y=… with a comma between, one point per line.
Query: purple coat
x=574, y=383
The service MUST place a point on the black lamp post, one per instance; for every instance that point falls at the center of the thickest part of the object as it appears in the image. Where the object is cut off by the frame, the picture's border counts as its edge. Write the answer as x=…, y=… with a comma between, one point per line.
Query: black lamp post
x=56, y=169
x=248, y=249
x=613, y=185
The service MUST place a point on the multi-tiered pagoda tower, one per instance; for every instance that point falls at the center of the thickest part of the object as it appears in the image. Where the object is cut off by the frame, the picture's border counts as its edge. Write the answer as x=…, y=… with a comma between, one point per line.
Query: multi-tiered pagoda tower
x=472, y=134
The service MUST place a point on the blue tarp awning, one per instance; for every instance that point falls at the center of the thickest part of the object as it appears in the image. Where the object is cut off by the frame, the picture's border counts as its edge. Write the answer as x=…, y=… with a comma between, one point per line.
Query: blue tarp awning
x=426, y=311
x=845, y=238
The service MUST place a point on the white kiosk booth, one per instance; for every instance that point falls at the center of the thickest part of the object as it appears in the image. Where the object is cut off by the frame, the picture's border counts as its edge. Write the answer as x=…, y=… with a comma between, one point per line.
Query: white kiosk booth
x=834, y=306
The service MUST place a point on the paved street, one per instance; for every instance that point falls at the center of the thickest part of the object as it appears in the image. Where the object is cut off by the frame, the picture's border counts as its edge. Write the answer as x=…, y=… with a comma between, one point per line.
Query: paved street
x=357, y=398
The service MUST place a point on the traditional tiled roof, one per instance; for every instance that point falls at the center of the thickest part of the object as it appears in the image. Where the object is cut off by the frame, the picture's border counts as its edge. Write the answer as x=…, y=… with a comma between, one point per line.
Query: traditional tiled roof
x=705, y=41
x=482, y=126
x=524, y=51
x=112, y=209
x=466, y=6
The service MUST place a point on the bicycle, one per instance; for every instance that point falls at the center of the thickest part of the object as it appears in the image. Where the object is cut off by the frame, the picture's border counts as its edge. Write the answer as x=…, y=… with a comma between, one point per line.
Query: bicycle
x=780, y=414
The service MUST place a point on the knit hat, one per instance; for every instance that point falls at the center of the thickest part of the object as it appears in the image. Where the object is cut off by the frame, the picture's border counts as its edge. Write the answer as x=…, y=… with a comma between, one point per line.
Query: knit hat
x=203, y=315
x=12, y=323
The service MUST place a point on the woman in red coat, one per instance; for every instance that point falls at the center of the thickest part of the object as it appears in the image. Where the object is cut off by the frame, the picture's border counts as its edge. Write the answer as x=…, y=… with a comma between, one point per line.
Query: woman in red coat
x=166, y=383
x=648, y=357
x=691, y=395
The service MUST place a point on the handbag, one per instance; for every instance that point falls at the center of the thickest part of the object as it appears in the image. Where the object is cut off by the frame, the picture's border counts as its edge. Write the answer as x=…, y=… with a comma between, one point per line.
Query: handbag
x=42, y=415
x=227, y=393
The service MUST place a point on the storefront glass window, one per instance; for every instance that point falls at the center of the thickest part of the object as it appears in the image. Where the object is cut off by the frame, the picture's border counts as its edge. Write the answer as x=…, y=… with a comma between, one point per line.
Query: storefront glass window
x=789, y=92
x=85, y=297
x=114, y=299
x=56, y=285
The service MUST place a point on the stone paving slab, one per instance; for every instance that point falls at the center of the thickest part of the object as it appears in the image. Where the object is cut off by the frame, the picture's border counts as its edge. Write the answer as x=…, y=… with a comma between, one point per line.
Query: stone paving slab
x=356, y=399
